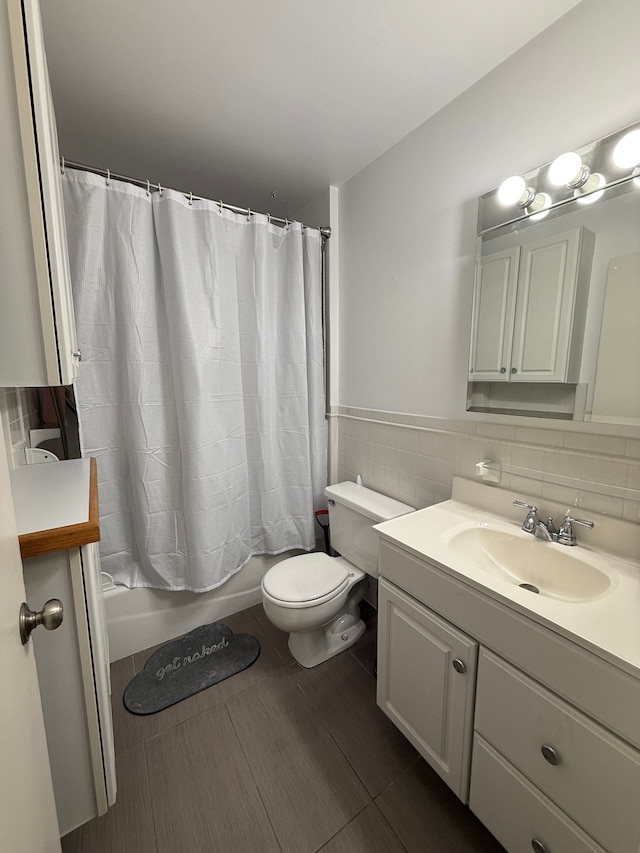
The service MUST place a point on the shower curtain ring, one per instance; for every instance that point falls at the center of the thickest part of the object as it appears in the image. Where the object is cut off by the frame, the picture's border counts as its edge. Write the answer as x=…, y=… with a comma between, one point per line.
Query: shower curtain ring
x=286, y=224
x=108, y=179
x=190, y=199
x=220, y=203
x=248, y=214
x=62, y=165
x=148, y=188
x=160, y=190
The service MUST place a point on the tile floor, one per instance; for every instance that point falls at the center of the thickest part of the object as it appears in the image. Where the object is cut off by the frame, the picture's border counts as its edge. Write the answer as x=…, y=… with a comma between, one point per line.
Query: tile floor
x=276, y=758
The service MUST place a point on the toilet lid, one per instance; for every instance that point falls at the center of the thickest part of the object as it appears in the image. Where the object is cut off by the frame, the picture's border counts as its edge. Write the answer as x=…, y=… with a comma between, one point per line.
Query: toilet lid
x=305, y=578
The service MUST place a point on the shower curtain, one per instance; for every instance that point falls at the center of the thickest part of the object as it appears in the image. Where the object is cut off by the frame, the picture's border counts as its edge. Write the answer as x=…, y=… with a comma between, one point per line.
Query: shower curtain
x=201, y=382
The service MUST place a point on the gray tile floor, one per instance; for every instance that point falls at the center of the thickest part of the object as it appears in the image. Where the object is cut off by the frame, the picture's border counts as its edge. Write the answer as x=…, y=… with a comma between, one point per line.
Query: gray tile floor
x=276, y=758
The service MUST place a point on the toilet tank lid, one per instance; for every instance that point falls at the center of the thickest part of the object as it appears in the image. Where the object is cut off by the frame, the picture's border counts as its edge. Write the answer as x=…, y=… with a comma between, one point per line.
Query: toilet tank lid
x=371, y=504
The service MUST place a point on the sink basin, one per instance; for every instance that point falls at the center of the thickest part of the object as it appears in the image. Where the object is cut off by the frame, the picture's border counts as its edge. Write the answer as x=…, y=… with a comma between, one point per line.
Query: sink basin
x=522, y=559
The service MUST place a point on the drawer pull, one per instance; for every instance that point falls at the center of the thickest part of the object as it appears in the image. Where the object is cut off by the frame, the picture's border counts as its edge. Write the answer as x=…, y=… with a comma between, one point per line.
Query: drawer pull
x=459, y=665
x=550, y=754
x=538, y=846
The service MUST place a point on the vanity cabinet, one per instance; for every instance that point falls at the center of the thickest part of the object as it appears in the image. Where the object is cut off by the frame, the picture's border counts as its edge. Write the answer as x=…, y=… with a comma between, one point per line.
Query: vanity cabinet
x=38, y=345
x=426, y=682
x=555, y=757
x=529, y=310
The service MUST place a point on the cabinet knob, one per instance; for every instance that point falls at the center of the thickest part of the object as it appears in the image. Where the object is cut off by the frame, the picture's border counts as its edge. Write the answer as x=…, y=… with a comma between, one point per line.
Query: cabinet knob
x=503, y=370
x=459, y=665
x=538, y=846
x=514, y=369
x=550, y=754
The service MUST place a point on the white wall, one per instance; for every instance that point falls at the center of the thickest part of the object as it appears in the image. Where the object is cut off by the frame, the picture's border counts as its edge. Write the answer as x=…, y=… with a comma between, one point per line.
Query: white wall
x=407, y=221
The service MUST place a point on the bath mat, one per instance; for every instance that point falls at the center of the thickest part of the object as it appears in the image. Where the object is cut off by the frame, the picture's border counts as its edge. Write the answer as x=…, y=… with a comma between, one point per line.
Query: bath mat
x=191, y=663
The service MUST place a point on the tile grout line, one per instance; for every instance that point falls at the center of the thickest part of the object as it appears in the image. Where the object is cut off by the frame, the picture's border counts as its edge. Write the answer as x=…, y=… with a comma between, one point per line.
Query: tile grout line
x=249, y=768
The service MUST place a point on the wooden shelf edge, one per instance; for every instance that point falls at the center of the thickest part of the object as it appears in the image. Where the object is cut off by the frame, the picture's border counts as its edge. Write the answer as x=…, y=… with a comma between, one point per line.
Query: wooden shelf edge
x=71, y=536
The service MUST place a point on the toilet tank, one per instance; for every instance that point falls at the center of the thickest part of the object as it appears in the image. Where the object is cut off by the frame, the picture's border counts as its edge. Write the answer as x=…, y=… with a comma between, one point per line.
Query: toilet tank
x=353, y=510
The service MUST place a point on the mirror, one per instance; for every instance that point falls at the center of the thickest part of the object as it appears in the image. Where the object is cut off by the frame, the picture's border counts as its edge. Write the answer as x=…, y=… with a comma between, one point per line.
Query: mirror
x=556, y=313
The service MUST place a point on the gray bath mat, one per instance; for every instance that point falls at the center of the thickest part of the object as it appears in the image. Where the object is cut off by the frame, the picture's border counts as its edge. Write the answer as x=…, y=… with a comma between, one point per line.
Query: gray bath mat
x=185, y=666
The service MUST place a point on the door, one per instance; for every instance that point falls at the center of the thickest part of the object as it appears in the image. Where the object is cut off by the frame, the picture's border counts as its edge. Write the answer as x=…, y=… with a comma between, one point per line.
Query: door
x=426, y=683
x=27, y=807
x=547, y=283
x=494, y=299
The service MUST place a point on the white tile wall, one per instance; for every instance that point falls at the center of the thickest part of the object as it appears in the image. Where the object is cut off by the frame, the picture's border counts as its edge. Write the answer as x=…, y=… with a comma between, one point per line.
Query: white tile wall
x=414, y=459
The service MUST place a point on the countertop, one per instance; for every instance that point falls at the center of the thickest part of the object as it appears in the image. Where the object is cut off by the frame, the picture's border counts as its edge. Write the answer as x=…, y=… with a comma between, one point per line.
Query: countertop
x=608, y=625
x=56, y=505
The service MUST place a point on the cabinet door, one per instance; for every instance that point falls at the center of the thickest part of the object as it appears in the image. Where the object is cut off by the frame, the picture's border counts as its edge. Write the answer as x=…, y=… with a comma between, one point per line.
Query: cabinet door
x=493, y=312
x=426, y=683
x=37, y=331
x=546, y=292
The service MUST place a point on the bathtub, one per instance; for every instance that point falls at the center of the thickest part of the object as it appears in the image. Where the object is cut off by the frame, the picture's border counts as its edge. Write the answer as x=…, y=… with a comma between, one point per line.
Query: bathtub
x=140, y=618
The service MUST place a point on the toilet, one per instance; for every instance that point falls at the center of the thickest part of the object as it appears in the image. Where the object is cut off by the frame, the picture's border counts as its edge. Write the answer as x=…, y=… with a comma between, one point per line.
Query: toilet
x=315, y=597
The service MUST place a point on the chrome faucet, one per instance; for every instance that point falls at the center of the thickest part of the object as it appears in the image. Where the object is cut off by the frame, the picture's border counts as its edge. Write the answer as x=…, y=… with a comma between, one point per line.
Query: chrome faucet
x=546, y=530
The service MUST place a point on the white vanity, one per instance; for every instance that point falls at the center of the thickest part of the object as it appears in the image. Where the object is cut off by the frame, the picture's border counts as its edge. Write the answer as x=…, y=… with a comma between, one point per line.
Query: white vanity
x=528, y=705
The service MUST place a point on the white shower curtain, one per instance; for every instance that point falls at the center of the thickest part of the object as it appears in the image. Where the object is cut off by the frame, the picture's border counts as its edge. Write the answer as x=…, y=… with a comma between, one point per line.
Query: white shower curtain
x=201, y=383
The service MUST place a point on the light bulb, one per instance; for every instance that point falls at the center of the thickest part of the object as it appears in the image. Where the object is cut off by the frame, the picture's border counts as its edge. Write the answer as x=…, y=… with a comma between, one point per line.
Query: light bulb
x=511, y=190
x=567, y=170
x=590, y=192
x=627, y=152
x=540, y=206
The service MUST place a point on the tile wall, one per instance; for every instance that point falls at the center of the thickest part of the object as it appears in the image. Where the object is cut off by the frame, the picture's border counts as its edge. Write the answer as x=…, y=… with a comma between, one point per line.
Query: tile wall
x=414, y=459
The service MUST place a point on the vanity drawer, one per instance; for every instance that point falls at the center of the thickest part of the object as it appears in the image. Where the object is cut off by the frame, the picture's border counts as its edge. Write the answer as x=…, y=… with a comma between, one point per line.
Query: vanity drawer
x=516, y=812
x=591, y=774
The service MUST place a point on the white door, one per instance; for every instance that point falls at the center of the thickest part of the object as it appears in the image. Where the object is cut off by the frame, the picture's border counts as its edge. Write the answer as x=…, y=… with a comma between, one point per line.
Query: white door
x=27, y=808
x=494, y=299
x=544, y=308
x=426, y=683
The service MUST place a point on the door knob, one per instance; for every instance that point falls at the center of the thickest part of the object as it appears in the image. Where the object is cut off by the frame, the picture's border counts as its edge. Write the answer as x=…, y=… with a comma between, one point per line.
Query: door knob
x=50, y=616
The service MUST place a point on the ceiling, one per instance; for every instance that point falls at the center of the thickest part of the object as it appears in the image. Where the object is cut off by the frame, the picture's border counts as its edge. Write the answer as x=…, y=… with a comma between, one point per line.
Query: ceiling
x=238, y=99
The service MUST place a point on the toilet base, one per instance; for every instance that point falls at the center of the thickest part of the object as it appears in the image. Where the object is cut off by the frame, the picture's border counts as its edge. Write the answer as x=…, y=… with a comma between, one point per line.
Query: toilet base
x=311, y=648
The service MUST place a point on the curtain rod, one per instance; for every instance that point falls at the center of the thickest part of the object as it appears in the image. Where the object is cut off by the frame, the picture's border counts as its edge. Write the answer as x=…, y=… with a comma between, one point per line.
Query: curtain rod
x=148, y=185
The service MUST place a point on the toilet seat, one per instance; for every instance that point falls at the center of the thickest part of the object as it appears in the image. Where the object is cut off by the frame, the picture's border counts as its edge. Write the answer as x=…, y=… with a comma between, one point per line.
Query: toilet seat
x=305, y=581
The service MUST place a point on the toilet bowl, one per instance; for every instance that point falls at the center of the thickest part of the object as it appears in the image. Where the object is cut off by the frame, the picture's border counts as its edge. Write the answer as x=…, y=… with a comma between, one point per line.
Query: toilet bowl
x=315, y=597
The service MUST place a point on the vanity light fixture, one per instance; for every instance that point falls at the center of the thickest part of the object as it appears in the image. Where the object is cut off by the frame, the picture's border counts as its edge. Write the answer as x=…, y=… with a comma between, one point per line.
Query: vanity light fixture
x=626, y=154
x=514, y=190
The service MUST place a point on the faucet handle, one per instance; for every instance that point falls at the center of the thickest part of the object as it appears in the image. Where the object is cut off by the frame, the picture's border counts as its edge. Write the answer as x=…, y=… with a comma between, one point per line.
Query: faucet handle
x=525, y=505
x=530, y=522
x=581, y=521
x=566, y=534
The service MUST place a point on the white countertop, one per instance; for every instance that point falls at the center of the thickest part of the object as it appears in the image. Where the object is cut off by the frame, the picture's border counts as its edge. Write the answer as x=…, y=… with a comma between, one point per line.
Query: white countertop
x=608, y=625
x=51, y=494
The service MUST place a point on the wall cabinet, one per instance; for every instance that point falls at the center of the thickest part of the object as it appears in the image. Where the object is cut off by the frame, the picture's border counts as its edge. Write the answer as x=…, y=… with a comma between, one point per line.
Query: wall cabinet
x=37, y=331
x=529, y=310
x=426, y=682
x=555, y=733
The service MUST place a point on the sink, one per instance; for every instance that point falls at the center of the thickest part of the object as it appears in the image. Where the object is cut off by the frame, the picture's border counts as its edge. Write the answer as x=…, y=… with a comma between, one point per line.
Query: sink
x=546, y=568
